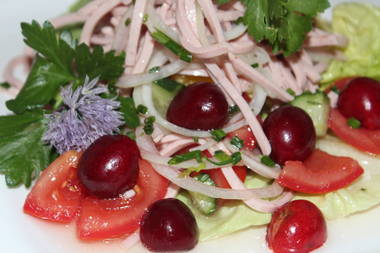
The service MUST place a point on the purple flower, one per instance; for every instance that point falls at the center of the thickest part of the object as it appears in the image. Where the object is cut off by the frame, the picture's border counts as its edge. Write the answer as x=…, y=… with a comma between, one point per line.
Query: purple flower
x=87, y=117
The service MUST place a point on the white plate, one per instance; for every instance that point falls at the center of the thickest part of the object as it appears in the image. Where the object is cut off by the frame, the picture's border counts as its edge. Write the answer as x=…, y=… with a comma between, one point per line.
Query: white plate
x=21, y=233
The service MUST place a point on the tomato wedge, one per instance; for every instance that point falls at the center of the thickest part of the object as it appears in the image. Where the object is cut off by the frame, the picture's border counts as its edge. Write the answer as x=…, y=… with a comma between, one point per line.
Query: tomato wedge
x=57, y=193
x=319, y=173
x=221, y=181
x=361, y=138
x=246, y=135
x=111, y=218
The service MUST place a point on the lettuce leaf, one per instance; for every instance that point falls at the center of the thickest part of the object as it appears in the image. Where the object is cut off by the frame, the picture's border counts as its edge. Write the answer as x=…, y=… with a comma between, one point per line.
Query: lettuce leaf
x=360, y=24
x=360, y=196
x=232, y=217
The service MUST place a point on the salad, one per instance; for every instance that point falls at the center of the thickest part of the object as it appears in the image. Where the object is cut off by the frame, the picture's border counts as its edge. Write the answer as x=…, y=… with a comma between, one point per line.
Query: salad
x=65, y=103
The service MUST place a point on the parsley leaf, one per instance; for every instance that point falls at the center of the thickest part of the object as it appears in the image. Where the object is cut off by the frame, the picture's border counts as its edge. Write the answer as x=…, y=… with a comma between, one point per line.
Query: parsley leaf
x=23, y=155
x=282, y=23
x=97, y=63
x=40, y=87
x=46, y=42
x=129, y=112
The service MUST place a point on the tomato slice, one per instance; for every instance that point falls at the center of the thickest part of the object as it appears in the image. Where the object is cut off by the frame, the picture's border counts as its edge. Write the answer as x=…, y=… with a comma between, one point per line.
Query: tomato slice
x=245, y=134
x=220, y=180
x=361, y=138
x=57, y=192
x=340, y=84
x=319, y=173
x=111, y=218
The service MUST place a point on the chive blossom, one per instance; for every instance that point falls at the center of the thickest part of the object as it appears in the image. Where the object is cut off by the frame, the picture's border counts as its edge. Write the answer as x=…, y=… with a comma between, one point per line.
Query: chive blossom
x=266, y=160
x=237, y=142
x=172, y=45
x=218, y=134
x=353, y=123
x=196, y=154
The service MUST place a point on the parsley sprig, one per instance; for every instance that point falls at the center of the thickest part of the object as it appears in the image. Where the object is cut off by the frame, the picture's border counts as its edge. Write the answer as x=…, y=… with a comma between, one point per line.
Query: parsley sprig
x=60, y=60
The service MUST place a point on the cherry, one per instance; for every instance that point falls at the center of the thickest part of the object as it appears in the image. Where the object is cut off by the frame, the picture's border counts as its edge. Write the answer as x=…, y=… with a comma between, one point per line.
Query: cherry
x=201, y=106
x=168, y=225
x=291, y=133
x=298, y=226
x=109, y=166
x=361, y=100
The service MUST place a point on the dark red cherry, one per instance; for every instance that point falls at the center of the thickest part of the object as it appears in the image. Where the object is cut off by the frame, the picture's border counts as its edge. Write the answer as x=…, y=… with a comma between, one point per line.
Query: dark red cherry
x=109, y=166
x=169, y=225
x=361, y=100
x=291, y=133
x=296, y=227
x=201, y=106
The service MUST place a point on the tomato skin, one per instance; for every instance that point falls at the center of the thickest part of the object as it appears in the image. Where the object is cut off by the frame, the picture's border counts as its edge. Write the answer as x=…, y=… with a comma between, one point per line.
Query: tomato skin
x=343, y=82
x=296, y=227
x=320, y=173
x=361, y=138
x=57, y=192
x=245, y=134
x=112, y=218
x=220, y=180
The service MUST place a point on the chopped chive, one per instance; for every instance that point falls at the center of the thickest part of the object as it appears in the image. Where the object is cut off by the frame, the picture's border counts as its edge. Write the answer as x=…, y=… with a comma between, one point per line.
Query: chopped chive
x=131, y=134
x=240, y=20
x=127, y=22
x=5, y=85
x=154, y=69
x=237, y=142
x=169, y=84
x=218, y=134
x=173, y=46
x=235, y=158
x=291, y=92
x=148, y=125
x=255, y=65
x=233, y=110
x=225, y=159
x=145, y=18
x=353, y=123
x=196, y=154
x=196, y=139
x=264, y=115
x=266, y=160
x=142, y=109
x=335, y=89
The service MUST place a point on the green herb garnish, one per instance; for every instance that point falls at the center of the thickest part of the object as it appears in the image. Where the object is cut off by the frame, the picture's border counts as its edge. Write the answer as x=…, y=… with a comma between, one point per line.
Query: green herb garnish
x=173, y=46
x=237, y=142
x=196, y=154
x=266, y=160
x=218, y=134
x=353, y=123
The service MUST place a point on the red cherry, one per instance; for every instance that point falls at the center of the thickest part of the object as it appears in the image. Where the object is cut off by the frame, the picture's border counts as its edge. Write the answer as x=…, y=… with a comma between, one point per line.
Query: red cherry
x=201, y=106
x=109, y=166
x=361, y=100
x=291, y=133
x=169, y=225
x=296, y=227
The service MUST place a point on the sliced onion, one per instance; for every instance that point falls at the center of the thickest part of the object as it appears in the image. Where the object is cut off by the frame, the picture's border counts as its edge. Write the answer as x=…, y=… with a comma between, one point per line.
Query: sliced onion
x=261, y=169
x=235, y=32
x=258, y=100
x=154, y=22
x=193, y=185
x=130, y=81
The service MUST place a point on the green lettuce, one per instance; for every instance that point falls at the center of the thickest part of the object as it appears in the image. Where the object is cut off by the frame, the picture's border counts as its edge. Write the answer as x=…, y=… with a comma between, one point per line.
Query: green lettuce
x=360, y=24
x=232, y=217
x=359, y=196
